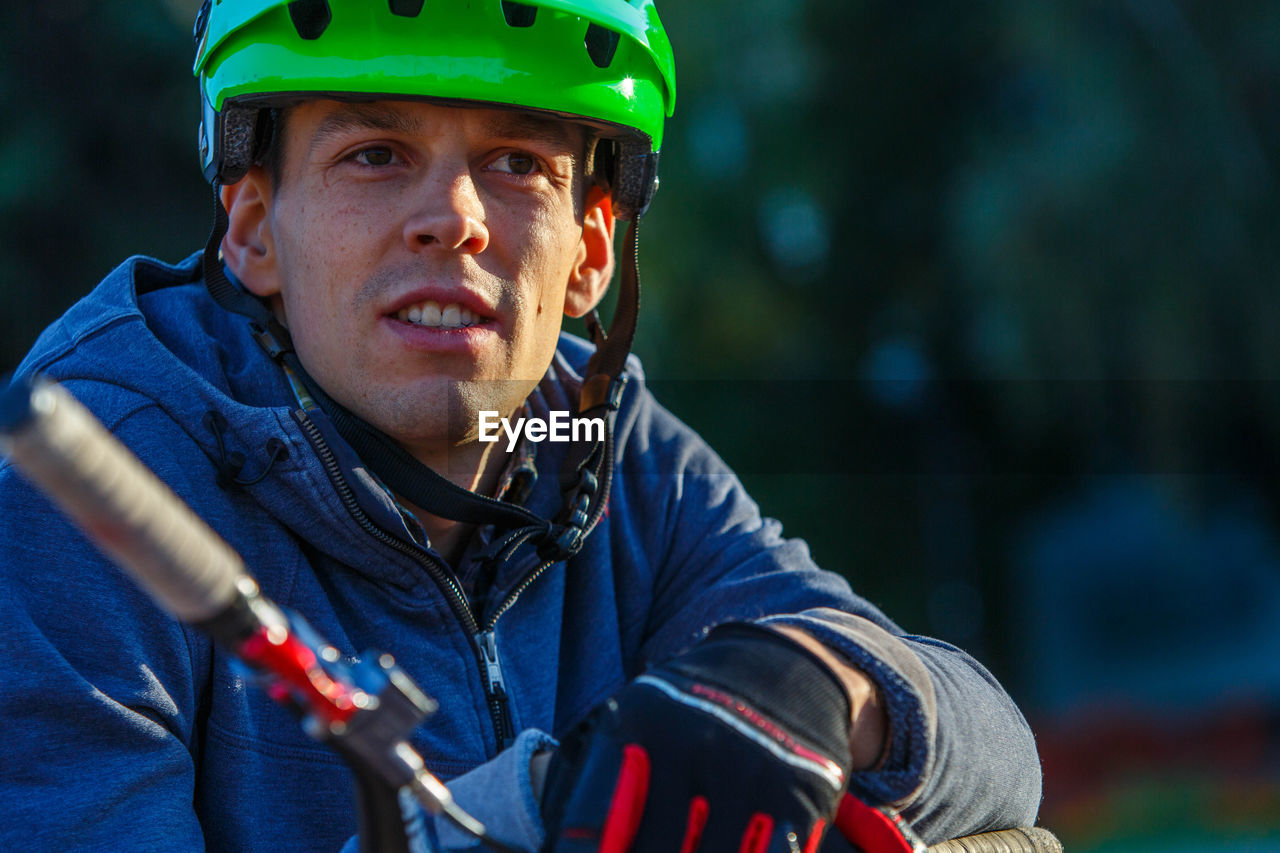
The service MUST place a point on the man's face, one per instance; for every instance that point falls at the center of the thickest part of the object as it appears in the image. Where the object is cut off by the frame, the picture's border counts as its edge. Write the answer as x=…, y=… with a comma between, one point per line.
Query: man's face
x=422, y=256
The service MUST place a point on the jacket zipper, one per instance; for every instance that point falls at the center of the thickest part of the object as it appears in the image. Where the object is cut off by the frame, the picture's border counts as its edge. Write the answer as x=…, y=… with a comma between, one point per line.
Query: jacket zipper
x=499, y=713
x=485, y=640
x=495, y=685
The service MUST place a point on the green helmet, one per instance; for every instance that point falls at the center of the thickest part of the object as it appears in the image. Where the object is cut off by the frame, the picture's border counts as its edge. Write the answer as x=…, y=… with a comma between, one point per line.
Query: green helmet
x=607, y=63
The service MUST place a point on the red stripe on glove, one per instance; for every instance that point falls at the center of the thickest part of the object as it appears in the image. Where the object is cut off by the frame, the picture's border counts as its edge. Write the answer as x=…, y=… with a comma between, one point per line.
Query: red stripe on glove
x=815, y=837
x=759, y=831
x=628, y=801
x=869, y=828
x=698, y=811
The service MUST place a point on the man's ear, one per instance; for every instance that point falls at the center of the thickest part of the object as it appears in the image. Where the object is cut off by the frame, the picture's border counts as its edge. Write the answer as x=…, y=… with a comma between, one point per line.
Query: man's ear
x=248, y=247
x=593, y=268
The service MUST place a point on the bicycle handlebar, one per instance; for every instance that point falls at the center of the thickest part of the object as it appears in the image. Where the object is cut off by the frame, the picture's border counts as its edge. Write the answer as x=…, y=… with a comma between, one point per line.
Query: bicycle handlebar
x=364, y=711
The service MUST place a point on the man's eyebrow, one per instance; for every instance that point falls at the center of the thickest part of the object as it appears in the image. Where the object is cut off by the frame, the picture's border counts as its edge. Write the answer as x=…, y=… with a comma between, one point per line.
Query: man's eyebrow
x=505, y=125
x=535, y=129
x=363, y=117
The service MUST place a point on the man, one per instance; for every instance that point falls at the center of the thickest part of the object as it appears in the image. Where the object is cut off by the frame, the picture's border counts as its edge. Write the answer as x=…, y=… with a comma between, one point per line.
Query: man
x=410, y=197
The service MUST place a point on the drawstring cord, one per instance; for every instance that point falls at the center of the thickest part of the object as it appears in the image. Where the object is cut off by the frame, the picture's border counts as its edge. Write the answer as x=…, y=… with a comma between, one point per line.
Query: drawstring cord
x=230, y=464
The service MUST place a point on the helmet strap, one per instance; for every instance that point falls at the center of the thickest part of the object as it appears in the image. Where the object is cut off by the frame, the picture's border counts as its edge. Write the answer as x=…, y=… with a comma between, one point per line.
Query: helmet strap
x=588, y=469
x=266, y=329
x=606, y=368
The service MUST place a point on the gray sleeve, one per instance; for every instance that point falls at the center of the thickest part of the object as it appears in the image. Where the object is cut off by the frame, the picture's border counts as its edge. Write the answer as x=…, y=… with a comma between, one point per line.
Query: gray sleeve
x=499, y=793
x=961, y=758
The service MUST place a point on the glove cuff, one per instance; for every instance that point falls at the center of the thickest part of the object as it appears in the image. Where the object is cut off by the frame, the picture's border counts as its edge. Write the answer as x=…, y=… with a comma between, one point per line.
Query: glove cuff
x=775, y=675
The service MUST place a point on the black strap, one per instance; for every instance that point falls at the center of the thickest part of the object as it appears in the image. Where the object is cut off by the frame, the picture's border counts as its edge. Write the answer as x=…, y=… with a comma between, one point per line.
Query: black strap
x=409, y=478
x=606, y=368
x=220, y=287
x=267, y=331
x=586, y=476
x=622, y=331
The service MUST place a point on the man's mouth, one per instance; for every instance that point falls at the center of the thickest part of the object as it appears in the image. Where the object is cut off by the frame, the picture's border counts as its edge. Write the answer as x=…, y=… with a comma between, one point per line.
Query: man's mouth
x=433, y=315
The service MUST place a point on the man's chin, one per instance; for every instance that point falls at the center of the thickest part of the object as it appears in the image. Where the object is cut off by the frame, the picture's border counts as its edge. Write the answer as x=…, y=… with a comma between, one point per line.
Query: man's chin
x=443, y=413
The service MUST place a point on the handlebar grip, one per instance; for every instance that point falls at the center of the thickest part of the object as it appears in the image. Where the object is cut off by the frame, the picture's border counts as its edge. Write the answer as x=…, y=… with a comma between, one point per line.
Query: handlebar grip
x=124, y=508
x=1026, y=839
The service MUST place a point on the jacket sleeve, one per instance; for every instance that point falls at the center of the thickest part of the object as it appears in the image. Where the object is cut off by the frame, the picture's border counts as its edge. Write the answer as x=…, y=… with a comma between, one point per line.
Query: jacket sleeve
x=98, y=694
x=961, y=757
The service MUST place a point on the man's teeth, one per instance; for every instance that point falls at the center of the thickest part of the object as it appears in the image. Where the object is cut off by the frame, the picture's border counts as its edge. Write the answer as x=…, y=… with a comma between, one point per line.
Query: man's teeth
x=451, y=316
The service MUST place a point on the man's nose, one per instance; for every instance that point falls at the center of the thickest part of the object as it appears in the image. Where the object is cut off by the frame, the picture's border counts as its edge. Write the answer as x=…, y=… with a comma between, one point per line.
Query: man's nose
x=450, y=215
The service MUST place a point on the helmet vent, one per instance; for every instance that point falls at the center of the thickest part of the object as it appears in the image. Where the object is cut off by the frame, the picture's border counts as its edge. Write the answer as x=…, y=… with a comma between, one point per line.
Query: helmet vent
x=519, y=14
x=202, y=21
x=406, y=8
x=601, y=45
x=310, y=17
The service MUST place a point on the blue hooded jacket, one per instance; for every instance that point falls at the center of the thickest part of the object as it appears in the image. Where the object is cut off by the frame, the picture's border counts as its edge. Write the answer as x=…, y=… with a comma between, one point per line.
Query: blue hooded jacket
x=127, y=730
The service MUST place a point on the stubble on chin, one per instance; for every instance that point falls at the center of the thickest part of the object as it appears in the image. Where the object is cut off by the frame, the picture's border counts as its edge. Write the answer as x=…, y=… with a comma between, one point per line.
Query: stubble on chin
x=446, y=415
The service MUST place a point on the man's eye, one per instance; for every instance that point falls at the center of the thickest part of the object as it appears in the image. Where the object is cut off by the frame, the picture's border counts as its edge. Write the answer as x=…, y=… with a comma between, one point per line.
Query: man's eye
x=516, y=164
x=374, y=157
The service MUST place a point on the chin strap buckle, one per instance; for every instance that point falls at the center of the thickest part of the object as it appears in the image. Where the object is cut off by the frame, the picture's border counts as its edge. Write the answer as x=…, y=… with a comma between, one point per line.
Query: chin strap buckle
x=565, y=539
x=272, y=337
x=602, y=390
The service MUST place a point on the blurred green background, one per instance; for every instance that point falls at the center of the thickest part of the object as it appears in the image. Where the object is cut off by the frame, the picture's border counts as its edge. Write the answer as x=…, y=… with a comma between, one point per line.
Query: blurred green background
x=978, y=298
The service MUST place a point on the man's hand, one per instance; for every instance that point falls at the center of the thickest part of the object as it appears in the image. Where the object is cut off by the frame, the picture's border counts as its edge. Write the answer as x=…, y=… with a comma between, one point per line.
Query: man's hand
x=740, y=744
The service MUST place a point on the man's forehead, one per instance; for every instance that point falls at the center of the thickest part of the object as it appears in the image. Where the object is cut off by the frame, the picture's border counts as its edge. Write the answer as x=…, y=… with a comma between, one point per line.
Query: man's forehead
x=411, y=118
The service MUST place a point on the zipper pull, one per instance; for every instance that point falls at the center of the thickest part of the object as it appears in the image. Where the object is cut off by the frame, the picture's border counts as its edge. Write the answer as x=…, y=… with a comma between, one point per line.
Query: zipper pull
x=495, y=687
x=488, y=643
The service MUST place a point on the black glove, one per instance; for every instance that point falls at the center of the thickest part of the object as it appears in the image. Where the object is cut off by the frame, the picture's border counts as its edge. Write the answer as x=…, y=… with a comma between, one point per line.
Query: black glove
x=740, y=744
